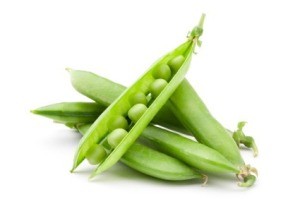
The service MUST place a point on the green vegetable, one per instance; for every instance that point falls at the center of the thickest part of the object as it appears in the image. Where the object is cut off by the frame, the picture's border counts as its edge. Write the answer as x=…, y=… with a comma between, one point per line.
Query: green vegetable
x=162, y=72
x=117, y=121
x=154, y=163
x=121, y=106
x=96, y=154
x=138, y=98
x=136, y=112
x=115, y=137
x=203, y=125
x=189, y=151
x=157, y=87
x=105, y=92
x=200, y=122
x=71, y=112
x=175, y=63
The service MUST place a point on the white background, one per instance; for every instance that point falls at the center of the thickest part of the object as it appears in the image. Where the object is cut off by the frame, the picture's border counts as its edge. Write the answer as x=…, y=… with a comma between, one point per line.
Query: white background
x=246, y=69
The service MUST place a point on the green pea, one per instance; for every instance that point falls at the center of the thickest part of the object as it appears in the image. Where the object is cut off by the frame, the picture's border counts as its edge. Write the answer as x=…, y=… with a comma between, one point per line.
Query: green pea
x=136, y=112
x=162, y=72
x=176, y=62
x=115, y=137
x=157, y=86
x=117, y=122
x=138, y=98
x=96, y=154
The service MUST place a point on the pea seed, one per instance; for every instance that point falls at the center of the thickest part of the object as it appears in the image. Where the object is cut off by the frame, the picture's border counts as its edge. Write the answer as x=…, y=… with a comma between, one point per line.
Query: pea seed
x=138, y=98
x=136, y=112
x=115, y=137
x=96, y=154
x=176, y=62
x=117, y=122
x=157, y=86
x=162, y=72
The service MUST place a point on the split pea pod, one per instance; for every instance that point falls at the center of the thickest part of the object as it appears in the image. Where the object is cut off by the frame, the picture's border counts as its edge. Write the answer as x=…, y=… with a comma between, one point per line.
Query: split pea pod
x=154, y=163
x=159, y=91
x=105, y=92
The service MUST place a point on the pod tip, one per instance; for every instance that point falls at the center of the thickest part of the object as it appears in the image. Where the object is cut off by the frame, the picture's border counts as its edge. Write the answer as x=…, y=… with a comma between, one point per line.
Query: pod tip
x=34, y=111
x=204, y=179
x=92, y=176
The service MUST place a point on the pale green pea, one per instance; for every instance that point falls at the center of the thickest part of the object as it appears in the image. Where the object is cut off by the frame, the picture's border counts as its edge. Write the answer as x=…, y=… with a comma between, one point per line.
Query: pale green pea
x=136, y=112
x=162, y=72
x=117, y=122
x=138, y=98
x=115, y=137
x=176, y=62
x=96, y=154
x=157, y=86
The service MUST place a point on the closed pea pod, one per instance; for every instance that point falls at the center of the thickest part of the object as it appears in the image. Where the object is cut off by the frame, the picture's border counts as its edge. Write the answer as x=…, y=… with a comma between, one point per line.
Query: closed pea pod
x=71, y=112
x=197, y=155
x=205, y=127
x=121, y=106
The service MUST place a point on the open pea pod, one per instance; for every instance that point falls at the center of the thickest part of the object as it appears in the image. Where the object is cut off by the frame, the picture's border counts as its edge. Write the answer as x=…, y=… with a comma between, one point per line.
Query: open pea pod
x=157, y=91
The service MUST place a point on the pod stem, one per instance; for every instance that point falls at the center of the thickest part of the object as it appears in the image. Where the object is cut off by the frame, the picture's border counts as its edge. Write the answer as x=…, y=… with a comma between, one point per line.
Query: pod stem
x=247, y=175
x=248, y=181
x=197, y=31
x=204, y=178
x=240, y=138
x=201, y=22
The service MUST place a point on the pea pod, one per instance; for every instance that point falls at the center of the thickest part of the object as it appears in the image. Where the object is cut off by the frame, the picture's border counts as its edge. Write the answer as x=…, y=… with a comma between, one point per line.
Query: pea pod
x=121, y=106
x=197, y=155
x=154, y=163
x=71, y=112
x=104, y=92
x=190, y=152
x=205, y=127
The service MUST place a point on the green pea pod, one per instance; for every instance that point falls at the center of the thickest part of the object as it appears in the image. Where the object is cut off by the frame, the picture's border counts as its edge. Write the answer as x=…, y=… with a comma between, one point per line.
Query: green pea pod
x=197, y=155
x=193, y=153
x=190, y=152
x=154, y=163
x=200, y=122
x=121, y=106
x=206, y=128
x=71, y=112
x=105, y=92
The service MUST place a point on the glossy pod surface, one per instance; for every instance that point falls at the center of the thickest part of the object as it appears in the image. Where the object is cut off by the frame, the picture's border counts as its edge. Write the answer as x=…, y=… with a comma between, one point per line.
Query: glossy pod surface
x=154, y=163
x=120, y=106
x=71, y=112
x=104, y=92
x=202, y=124
x=192, y=153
